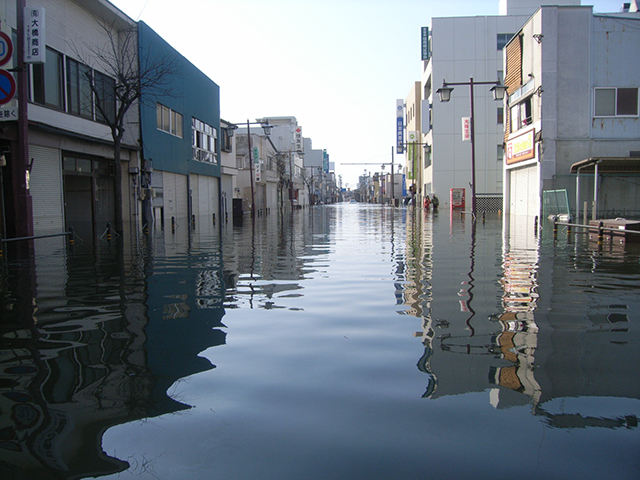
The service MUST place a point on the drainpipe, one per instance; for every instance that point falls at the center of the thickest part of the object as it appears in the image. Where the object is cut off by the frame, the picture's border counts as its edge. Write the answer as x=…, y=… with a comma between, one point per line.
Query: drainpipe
x=578, y=194
x=595, y=191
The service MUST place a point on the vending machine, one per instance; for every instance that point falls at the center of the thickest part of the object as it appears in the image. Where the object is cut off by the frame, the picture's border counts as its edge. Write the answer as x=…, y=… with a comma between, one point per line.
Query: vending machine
x=457, y=198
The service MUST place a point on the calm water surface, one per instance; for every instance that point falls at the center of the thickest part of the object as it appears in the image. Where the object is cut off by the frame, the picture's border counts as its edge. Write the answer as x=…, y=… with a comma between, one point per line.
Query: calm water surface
x=343, y=342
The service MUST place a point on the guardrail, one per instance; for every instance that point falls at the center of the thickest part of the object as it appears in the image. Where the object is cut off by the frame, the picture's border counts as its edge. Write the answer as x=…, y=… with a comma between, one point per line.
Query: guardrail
x=69, y=234
x=600, y=229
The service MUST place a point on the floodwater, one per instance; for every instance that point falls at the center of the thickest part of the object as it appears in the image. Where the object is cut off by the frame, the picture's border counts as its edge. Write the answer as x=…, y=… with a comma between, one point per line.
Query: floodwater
x=343, y=342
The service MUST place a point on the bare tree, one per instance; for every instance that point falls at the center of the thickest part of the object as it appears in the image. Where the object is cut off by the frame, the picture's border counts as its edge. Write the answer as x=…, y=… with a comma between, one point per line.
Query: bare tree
x=136, y=75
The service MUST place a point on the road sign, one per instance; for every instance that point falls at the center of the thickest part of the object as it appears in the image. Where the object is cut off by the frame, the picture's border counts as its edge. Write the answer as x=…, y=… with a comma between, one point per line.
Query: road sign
x=6, y=48
x=7, y=87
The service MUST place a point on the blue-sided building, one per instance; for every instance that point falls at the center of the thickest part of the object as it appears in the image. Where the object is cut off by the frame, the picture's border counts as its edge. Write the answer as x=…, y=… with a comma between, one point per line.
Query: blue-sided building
x=180, y=128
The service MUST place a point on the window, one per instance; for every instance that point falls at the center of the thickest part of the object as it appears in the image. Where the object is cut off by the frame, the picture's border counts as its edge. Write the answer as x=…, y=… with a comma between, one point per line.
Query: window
x=500, y=153
x=169, y=120
x=105, y=97
x=616, y=102
x=79, y=96
x=226, y=142
x=503, y=39
x=47, y=81
x=500, y=118
x=520, y=114
x=204, y=141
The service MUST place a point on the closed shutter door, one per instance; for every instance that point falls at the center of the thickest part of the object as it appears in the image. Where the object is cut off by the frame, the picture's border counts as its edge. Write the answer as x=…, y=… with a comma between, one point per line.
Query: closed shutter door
x=175, y=196
x=46, y=190
x=169, y=188
x=525, y=197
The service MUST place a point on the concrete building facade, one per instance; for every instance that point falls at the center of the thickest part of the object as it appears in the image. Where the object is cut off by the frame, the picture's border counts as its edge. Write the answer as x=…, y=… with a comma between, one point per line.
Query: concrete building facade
x=573, y=81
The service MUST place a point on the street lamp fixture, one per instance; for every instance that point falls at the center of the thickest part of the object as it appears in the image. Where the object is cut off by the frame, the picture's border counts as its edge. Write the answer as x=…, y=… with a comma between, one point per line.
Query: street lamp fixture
x=498, y=90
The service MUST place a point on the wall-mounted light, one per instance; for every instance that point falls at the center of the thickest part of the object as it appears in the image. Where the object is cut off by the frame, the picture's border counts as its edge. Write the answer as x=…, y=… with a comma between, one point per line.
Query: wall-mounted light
x=538, y=37
x=538, y=91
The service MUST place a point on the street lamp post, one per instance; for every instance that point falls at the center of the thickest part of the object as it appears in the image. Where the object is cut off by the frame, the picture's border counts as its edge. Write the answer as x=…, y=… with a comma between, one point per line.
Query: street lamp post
x=267, y=131
x=498, y=91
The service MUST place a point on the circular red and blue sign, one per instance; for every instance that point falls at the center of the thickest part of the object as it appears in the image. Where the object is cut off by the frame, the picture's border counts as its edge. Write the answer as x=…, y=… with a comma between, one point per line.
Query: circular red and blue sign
x=6, y=48
x=7, y=87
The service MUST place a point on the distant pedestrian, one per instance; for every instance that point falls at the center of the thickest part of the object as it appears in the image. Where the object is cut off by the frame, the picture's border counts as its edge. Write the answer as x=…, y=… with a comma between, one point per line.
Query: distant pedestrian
x=435, y=202
x=427, y=202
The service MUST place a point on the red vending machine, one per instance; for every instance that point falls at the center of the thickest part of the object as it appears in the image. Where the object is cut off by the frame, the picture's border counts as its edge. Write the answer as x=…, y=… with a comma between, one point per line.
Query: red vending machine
x=457, y=198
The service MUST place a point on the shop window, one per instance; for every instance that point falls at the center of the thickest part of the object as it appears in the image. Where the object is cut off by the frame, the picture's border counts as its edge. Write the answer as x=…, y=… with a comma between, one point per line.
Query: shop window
x=616, y=102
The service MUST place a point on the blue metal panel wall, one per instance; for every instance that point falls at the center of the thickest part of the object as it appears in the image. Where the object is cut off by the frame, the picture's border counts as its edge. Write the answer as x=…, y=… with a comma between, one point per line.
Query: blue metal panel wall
x=191, y=93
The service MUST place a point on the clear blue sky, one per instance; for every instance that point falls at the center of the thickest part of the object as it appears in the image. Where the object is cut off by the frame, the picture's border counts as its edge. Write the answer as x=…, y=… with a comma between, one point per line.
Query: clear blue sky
x=338, y=66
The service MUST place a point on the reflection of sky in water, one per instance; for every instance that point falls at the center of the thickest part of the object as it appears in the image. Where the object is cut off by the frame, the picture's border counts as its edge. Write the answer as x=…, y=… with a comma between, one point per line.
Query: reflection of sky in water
x=327, y=386
x=335, y=330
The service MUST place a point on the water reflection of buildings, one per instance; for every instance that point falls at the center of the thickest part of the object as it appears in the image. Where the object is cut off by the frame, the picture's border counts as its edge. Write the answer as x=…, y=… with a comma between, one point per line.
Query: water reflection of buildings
x=542, y=330
x=99, y=343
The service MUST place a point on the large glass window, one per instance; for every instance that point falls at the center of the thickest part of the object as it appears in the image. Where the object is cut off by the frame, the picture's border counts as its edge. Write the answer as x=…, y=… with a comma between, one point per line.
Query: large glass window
x=79, y=96
x=47, y=81
x=169, y=120
x=503, y=39
x=205, y=141
x=105, y=97
x=616, y=102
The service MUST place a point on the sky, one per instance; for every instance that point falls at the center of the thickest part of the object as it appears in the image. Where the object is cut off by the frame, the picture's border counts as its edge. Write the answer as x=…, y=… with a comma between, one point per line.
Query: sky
x=338, y=66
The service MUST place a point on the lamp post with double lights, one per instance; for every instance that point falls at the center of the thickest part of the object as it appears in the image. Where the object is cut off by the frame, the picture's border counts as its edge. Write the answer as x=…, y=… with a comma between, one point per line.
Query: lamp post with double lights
x=498, y=91
x=267, y=131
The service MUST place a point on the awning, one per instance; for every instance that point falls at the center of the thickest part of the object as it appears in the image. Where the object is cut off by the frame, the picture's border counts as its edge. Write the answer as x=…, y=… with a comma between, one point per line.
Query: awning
x=607, y=165
x=602, y=166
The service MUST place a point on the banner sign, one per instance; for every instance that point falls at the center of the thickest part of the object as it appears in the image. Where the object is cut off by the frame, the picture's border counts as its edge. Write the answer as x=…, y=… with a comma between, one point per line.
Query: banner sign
x=325, y=161
x=425, y=43
x=413, y=153
x=298, y=139
x=521, y=148
x=256, y=164
x=466, y=129
x=399, y=126
x=34, y=38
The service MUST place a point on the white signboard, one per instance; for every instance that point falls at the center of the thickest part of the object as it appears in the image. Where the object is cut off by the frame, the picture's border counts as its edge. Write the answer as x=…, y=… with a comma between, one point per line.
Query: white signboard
x=35, y=49
x=466, y=129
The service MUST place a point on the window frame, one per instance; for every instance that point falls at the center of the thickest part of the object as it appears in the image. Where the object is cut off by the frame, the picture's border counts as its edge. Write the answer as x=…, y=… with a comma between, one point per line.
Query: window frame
x=169, y=121
x=78, y=78
x=42, y=81
x=616, y=102
x=204, y=142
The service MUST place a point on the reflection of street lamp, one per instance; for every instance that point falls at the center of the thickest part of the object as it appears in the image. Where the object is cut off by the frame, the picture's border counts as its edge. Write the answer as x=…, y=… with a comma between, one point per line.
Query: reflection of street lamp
x=267, y=131
x=498, y=91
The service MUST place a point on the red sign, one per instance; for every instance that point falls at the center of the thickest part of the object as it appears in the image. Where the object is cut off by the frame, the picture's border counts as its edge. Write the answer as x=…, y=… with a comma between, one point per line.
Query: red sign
x=6, y=48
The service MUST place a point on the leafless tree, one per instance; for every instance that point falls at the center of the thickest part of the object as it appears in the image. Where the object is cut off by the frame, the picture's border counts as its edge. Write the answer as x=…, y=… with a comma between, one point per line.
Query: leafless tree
x=137, y=75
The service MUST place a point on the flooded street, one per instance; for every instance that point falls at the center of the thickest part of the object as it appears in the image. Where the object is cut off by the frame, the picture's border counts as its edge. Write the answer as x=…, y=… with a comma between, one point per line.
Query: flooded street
x=348, y=341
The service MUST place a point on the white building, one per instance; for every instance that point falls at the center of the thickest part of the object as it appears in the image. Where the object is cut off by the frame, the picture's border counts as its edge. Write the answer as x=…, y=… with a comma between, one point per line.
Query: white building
x=461, y=49
x=573, y=79
x=286, y=136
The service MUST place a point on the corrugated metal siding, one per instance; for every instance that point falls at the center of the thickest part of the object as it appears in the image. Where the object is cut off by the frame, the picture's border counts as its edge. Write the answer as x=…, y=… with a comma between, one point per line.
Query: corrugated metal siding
x=46, y=190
